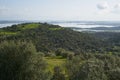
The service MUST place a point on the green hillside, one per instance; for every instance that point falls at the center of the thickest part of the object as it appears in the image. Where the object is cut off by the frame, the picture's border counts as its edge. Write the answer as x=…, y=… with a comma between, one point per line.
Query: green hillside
x=41, y=51
x=49, y=37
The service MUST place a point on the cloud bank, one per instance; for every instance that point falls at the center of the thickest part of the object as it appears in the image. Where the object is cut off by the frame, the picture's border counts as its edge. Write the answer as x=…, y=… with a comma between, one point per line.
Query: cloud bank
x=103, y=5
x=106, y=8
x=116, y=9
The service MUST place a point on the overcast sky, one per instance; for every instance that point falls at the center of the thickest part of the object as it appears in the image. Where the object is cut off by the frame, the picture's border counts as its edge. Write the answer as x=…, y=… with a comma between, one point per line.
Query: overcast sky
x=100, y=10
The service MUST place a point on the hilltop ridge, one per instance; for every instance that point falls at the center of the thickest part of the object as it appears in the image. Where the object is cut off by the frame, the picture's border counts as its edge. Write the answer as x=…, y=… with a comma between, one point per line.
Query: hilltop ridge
x=48, y=37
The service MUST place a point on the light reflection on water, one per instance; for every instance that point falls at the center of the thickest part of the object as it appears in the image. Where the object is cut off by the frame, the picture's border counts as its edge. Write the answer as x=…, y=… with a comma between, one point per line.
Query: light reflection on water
x=82, y=25
x=90, y=30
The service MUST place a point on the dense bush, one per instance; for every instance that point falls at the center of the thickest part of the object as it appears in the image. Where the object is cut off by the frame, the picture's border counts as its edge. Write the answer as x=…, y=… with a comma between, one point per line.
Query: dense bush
x=20, y=61
x=114, y=74
x=58, y=75
x=94, y=67
x=64, y=53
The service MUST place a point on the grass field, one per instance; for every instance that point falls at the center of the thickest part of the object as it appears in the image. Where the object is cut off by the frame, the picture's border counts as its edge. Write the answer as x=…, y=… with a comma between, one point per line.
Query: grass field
x=20, y=27
x=7, y=33
x=55, y=61
x=30, y=26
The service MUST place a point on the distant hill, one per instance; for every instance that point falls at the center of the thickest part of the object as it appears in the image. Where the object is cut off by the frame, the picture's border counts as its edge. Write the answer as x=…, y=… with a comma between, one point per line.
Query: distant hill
x=106, y=28
x=49, y=37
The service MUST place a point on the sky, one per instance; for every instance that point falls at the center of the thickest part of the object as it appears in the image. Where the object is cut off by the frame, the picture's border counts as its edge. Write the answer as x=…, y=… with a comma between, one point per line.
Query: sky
x=85, y=10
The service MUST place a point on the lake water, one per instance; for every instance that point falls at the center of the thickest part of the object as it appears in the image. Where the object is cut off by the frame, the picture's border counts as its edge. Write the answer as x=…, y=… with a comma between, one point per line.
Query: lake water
x=82, y=25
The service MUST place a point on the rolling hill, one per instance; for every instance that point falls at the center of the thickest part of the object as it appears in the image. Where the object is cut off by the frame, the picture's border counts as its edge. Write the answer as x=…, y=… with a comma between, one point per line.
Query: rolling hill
x=48, y=38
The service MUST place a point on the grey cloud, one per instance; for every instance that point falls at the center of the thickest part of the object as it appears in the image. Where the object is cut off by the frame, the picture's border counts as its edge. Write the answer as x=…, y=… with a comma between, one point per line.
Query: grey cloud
x=117, y=5
x=116, y=9
x=102, y=6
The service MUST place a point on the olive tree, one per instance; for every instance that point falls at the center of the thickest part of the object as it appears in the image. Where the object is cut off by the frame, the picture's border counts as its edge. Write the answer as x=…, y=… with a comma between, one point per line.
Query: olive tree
x=20, y=61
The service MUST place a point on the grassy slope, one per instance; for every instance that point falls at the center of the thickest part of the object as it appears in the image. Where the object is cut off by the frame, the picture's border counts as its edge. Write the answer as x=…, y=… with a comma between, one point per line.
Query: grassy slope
x=21, y=27
x=30, y=26
x=55, y=61
x=7, y=33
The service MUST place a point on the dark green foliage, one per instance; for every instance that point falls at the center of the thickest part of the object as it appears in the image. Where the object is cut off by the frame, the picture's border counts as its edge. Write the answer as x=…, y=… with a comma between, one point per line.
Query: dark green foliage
x=70, y=55
x=114, y=74
x=59, y=51
x=64, y=53
x=110, y=61
x=34, y=69
x=94, y=67
x=111, y=39
x=93, y=56
x=47, y=40
x=73, y=66
x=20, y=61
x=50, y=54
x=91, y=70
x=58, y=75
